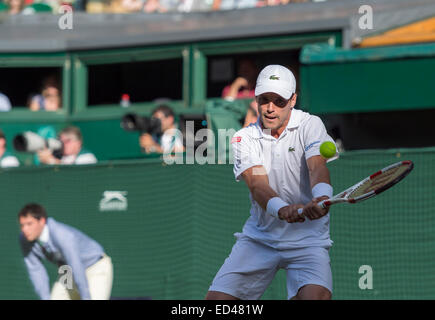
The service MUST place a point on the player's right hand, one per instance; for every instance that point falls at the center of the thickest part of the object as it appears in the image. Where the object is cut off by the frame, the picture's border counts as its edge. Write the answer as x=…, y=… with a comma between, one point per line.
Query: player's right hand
x=290, y=213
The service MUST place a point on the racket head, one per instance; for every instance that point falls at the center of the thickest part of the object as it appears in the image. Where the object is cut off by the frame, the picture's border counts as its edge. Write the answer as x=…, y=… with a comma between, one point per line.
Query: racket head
x=380, y=181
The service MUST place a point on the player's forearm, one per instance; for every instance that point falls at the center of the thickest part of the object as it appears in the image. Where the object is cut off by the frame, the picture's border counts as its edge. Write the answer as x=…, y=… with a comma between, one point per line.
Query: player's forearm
x=319, y=178
x=318, y=171
x=258, y=183
x=262, y=194
x=319, y=175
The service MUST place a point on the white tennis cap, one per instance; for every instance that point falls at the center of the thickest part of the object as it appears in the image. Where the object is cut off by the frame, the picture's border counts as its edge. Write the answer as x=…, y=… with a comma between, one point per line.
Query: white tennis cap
x=277, y=79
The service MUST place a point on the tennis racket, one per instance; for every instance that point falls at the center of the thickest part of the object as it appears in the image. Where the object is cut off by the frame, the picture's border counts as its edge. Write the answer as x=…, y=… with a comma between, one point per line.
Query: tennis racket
x=371, y=186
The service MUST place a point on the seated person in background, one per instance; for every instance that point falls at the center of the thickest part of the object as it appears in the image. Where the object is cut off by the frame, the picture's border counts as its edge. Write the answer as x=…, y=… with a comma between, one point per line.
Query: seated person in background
x=170, y=141
x=152, y=6
x=49, y=99
x=233, y=4
x=7, y=159
x=73, y=153
x=5, y=103
x=244, y=87
x=15, y=6
x=130, y=5
x=114, y=6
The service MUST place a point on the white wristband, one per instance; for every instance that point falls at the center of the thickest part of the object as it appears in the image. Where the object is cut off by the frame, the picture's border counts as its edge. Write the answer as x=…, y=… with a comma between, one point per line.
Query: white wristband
x=322, y=189
x=273, y=206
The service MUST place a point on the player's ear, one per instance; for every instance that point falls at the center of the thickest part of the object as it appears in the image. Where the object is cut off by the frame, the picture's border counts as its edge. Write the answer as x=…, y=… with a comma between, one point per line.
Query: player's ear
x=293, y=99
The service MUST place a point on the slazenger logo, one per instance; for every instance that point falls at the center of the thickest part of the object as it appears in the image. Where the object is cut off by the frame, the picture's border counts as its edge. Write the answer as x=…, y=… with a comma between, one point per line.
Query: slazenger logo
x=114, y=201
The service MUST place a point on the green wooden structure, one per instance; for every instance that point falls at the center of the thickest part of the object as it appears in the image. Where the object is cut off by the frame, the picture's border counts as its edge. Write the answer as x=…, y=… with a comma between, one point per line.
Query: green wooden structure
x=176, y=57
x=176, y=231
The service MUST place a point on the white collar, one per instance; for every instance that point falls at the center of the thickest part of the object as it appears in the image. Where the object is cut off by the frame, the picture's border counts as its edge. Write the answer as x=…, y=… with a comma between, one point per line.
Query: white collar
x=295, y=119
x=45, y=235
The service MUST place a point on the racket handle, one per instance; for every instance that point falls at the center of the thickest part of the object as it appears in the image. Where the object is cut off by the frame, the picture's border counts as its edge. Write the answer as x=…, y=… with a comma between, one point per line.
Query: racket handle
x=321, y=204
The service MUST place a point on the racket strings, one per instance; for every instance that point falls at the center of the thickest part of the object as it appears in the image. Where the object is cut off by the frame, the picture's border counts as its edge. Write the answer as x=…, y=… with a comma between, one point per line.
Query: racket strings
x=380, y=180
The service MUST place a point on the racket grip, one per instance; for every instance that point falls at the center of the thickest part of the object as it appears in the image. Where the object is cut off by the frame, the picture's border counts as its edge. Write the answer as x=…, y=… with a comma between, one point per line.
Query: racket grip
x=321, y=204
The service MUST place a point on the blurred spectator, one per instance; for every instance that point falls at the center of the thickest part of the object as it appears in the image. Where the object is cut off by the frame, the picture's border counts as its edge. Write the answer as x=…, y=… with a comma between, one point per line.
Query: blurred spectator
x=170, y=141
x=46, y=132
x=242, y=4
x=131, y=5
x=39, y=7
x=233, y=4
x=244, y=87
x=189, y=5
x=15, y=6
x=50, y=97
x=7, y=159
x=262, y=3
x=54, y=4
x=77, y=5
x=114, y=6
x=154, y=6
x=73, y=152
x=161, y=6
x=5, y=104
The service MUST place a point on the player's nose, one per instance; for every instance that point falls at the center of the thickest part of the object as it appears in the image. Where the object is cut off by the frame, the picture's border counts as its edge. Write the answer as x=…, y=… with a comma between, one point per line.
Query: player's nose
x=270, y=107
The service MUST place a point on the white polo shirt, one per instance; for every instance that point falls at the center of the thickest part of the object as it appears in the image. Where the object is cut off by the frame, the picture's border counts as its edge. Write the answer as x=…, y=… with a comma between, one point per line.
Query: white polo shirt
x=171, y=139
x=285, y=162
x=81, y=158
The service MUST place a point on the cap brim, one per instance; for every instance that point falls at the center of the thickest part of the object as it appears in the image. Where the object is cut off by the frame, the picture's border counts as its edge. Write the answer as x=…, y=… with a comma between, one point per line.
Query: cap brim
x=283, y=92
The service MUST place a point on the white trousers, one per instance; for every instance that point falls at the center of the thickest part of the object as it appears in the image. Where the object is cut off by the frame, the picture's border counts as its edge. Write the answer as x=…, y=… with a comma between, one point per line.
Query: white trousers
x=100, y=278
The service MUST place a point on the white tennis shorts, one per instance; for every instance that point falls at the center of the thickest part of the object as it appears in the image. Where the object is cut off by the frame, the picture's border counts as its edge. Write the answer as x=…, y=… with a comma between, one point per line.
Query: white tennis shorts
x=251, y=266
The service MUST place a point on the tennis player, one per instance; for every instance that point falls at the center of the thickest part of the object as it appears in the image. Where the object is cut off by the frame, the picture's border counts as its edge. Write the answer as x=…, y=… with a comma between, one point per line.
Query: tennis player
x=278, y=158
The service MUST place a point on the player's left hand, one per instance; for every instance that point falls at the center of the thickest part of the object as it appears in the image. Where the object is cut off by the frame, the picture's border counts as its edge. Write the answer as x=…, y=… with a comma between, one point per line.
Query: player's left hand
x=312, y=211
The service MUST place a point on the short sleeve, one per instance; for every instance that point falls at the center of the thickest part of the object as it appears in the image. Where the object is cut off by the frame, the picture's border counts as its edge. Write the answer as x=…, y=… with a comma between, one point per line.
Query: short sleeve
x=171, y=140
x=245, y=153
x=314, y=135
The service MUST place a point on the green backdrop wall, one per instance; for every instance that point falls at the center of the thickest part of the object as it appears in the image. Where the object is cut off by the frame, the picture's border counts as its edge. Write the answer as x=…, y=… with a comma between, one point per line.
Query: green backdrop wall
x=179, y=222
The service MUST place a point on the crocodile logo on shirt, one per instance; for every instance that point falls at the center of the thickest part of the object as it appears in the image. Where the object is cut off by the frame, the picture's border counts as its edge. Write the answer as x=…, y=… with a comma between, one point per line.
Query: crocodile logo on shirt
x=273, y=77
x=291, y=149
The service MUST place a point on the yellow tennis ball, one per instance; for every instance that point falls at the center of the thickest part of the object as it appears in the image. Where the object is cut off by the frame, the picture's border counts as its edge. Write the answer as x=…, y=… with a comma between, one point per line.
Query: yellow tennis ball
x=327, y=149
